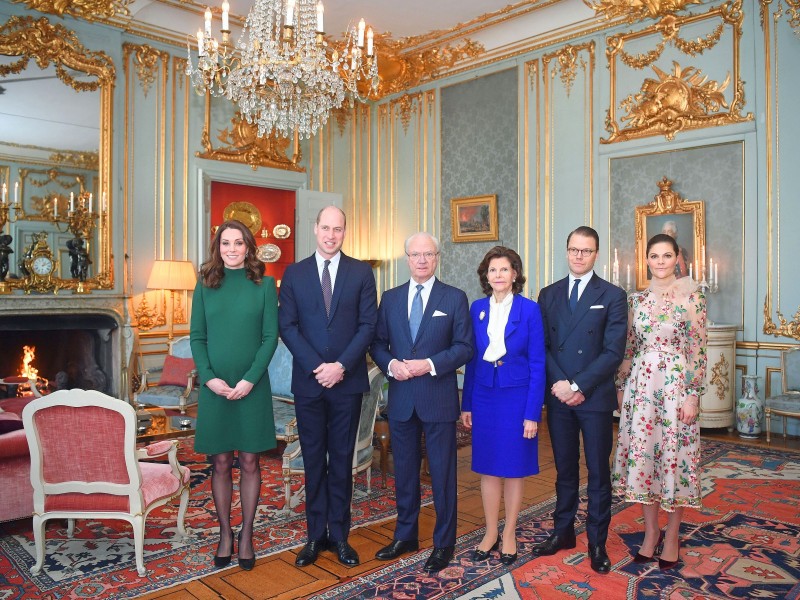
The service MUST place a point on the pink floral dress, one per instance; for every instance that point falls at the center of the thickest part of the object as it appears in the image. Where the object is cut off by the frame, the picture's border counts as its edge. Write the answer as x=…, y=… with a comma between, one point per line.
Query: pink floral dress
x=657, y=456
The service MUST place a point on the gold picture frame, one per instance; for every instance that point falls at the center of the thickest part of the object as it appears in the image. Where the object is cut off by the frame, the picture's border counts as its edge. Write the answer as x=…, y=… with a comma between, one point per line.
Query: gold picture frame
x=474, y=218
x=688, y=217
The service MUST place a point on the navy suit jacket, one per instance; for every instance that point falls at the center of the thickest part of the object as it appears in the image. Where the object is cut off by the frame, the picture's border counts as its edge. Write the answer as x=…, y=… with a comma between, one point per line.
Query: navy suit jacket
x=313, y=338
x=444, y=336
x=523, y=363
x=586, y=346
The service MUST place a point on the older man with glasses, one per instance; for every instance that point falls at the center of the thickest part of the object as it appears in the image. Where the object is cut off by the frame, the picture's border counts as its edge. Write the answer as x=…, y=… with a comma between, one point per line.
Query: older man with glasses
x=585, y=322
x=424, y=334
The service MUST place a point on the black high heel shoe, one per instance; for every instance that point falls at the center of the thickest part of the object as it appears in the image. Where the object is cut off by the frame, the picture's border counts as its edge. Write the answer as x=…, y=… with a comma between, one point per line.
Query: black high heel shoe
x=223, y=561
x=247, y=564
x=479, y=554
x=641, y=558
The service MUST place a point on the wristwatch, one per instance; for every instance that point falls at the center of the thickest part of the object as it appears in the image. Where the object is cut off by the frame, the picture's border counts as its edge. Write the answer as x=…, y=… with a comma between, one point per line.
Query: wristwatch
x=574, y=386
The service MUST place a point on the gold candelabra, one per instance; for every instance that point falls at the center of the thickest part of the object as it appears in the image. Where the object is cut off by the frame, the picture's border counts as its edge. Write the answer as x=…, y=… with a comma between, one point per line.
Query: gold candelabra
x=80, y=219
x=6, y=208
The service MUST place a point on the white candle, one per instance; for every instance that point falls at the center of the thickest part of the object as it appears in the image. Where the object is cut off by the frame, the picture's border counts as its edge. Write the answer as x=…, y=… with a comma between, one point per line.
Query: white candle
x=208, y=21
x=16, y=193
x=628, y=280
x=361, y=26
x=320, y=15
x=201, y=51
x=711, y=271
x=290, y=12
x=90, y=203
x=703, y=261
x=605, y=272
x=370, y=42
x=55, y=207
x=225, y=12
x=71, y=202
x=716, y=274
x=690, y=270
x=5, y=191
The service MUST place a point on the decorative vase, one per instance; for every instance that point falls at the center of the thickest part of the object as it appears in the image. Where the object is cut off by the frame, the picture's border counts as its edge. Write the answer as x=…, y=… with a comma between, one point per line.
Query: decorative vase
x=749, y=409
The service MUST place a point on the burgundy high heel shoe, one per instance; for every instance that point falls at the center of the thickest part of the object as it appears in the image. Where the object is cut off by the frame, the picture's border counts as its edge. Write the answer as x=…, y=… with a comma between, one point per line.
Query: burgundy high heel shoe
x=641, y=558
x=669, y=564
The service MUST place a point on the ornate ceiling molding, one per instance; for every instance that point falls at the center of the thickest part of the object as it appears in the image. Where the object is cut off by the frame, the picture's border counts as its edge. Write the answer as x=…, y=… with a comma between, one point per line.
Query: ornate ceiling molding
x=636, y=10
x=91, y=10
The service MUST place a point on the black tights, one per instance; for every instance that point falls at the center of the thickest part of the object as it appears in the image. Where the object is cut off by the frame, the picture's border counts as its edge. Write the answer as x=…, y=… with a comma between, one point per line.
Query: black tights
x=249, y=491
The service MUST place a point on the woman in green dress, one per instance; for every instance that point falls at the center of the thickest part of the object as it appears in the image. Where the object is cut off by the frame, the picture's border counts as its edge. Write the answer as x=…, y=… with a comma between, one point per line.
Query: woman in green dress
x=234, y=333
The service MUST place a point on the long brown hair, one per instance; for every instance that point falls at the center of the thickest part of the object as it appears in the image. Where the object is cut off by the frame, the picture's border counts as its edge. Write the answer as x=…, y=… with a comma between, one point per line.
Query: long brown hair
x=213, y=270
x=516, y=263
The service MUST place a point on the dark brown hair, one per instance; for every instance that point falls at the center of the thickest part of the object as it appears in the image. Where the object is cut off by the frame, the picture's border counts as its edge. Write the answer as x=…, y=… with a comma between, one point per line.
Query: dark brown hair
x=516, y=264
x=662, y=238
x=213, y=270
x=585, y=231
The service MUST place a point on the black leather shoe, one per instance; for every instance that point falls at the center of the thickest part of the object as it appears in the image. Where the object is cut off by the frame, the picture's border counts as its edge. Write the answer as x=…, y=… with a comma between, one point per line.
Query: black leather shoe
x=599, y=558
x=478, y=554
x=308, y=555
x=223, y=561
x=553, y=544
x=439, y=559
x=508, y=559
x=346, y=554
x=246, y=564
x=397, y=548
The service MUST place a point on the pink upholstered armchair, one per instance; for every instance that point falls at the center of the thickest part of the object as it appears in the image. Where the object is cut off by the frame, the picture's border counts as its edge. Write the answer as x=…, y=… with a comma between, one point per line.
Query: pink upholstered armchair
x=85, y=465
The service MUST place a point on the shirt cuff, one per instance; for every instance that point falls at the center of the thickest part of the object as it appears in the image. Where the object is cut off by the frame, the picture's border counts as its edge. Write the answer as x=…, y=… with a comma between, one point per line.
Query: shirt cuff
x=389, y=368
x=433, y=368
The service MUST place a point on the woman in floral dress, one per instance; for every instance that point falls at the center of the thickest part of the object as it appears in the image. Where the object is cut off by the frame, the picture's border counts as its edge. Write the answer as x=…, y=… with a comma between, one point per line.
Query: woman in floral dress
x=659, y=386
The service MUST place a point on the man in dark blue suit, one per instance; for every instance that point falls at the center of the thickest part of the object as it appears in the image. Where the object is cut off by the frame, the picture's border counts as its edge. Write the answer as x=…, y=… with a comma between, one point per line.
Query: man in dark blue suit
x=585, y=321
x=328, y=309
x=424, y=334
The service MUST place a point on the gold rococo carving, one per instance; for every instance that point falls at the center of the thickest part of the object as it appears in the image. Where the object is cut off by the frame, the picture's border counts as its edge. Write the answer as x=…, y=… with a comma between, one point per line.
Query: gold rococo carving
x=405, y=104
x=145, y=61
x=784, y=328
x=636, y=10
x=90, y=10
x=243, y=145
x=720, y=377
x=684, y=98
x=568, y=60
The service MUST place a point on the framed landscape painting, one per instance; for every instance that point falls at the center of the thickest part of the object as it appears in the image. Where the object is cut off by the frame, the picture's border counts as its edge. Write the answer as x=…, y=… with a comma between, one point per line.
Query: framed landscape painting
x=474, y=218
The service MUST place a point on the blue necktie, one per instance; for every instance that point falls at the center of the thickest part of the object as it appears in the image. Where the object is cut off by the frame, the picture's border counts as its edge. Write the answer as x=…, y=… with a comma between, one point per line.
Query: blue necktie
x=415, y=318
x=573, y=296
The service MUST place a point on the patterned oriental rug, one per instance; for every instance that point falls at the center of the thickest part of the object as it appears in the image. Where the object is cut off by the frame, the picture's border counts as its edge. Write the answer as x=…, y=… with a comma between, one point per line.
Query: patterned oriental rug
x=98, y=562
x=745, y=543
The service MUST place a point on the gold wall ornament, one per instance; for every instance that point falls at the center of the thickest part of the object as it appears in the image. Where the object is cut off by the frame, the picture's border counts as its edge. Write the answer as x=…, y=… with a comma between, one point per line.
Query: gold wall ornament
x=568, y=60
x=685, y=98
x=720, y=377
x=147, y=318
x=90, y=10
x=784, y=328
x=28, y=38
x=243, y=145
x=405, y=105
x=90, y=161
x=636, y=10
x=145, y=61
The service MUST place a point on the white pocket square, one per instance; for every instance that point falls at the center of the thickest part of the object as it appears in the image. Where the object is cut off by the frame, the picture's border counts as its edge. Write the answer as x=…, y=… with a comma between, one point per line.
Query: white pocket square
x=438, y=313
x=596, y=306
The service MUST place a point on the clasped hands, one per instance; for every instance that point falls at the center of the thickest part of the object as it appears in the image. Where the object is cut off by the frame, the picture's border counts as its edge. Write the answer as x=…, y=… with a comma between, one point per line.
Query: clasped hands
x=406, y=369
x=563, y=391
x=329, y=374
x=529, y=428
x=220, y=388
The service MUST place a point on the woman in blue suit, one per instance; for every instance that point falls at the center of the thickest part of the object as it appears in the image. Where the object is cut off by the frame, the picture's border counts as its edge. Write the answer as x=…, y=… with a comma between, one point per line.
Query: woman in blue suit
x=503, y=395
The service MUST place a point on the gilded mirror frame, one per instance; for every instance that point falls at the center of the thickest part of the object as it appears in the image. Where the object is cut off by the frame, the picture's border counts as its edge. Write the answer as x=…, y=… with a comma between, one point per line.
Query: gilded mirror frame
x=45, y=43
x=668, y=204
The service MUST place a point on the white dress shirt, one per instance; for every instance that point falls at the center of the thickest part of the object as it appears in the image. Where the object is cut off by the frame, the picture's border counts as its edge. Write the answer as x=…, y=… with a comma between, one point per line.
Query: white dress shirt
x=498, y=319
x=581, y=286
x=425, y=293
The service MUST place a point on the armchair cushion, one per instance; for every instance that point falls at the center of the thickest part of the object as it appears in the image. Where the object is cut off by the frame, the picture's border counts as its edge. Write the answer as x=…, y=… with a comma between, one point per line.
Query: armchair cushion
x=9, y=422
x=176, y=371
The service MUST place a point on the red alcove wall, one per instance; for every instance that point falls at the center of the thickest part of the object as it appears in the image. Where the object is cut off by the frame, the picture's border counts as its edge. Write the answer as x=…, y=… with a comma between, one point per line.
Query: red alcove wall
x=276, y=207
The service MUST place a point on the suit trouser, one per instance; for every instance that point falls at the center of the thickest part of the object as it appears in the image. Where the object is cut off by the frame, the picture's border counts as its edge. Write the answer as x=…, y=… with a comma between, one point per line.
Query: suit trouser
x=565, y=427
x=327, y=426
x=440, y=445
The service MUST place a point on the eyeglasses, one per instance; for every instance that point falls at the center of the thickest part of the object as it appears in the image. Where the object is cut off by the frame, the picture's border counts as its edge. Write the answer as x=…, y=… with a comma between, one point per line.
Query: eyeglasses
x=584, y=252
x=426, y=255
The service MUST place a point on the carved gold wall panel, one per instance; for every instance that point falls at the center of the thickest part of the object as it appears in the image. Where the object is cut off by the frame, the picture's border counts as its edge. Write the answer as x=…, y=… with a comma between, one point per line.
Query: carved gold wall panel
x=85, y=9
x=682, y=96
x=636, y=10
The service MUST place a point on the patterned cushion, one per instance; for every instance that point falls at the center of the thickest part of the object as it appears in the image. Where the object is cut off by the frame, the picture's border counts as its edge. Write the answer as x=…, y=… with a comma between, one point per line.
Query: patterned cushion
x=280, y=372
x=296, y=464
x=785, y=403
x=176, y=371
x=166, y=396
x=283, y=413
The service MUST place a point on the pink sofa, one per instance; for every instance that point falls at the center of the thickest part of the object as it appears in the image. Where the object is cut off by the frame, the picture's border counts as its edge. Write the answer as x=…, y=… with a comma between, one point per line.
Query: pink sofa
x=16, y=499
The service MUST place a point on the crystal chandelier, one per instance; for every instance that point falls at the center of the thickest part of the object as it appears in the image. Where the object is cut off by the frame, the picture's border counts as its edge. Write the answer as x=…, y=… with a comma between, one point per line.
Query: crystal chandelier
x=282, y=74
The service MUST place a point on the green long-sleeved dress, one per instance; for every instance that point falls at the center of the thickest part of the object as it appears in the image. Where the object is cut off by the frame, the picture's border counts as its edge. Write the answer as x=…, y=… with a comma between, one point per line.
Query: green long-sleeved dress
x=234, y=333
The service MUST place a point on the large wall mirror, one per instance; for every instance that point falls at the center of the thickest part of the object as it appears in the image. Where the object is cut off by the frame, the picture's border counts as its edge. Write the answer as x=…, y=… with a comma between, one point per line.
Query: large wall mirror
x=55, y=151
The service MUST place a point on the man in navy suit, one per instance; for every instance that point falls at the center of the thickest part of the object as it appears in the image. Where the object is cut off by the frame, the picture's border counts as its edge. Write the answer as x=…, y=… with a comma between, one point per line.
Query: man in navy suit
x=424, y=334
x=585, y=322
x=328, y=309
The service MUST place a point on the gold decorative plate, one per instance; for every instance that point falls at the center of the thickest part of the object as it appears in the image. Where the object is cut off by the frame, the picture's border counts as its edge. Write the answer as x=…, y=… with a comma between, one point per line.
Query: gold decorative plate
x=268, y=253
x=281, y=231
x=246, y=213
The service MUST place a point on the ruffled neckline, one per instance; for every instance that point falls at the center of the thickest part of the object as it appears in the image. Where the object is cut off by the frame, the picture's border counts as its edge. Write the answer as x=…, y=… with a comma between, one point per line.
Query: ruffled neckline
x=682, y=287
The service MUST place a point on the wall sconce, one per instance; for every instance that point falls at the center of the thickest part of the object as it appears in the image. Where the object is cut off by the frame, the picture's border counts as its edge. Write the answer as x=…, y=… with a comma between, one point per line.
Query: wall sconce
x=172, y=275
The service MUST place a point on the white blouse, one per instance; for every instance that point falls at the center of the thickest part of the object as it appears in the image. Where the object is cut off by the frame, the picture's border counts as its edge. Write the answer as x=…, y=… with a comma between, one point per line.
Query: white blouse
x=498, y=319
